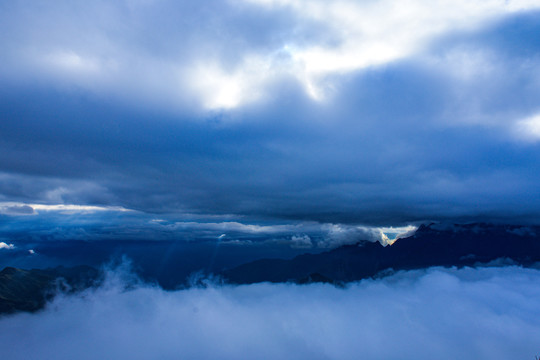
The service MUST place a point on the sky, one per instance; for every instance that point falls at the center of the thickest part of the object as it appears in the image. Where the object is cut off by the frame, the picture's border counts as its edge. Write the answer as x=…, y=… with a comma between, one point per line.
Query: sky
x=313, y=122
x=204, y=134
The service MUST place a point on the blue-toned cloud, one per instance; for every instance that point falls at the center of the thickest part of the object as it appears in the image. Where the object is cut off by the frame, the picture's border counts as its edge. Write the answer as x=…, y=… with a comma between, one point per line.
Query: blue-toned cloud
x=225, y=54
x=486, y=313
x=76, y=222
x=16, y=209
x=273, y=112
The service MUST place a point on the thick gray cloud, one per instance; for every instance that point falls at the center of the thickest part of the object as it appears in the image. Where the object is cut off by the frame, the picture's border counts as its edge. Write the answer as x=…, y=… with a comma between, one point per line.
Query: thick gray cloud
x=73, y=222
x=225, y=109
x=487, y=313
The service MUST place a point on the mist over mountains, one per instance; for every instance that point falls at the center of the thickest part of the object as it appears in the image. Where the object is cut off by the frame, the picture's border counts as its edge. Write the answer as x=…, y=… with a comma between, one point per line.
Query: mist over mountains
x=433, y=245
x=469, y=245
x=30, y=290
x=470, y=314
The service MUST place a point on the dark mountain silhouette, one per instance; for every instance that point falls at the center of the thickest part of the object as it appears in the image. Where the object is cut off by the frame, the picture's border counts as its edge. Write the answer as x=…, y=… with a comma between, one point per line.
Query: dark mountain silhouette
x=29, y=290
x=432, y=245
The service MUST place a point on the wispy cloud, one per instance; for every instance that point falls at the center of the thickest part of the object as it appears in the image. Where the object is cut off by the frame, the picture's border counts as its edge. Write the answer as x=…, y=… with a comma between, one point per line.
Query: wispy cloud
x=5, y=246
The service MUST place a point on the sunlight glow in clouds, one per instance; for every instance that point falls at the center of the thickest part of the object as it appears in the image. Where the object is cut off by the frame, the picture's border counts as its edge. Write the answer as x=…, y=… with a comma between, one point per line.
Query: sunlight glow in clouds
x=77, y=208
x=223, y=89
x=328, y=235
x=375, y=33
x=336, y=112
x=294, y=234
x=529, y=128
x=343, y=36
x=446, y=314
x=73, y=62
x=14, y=208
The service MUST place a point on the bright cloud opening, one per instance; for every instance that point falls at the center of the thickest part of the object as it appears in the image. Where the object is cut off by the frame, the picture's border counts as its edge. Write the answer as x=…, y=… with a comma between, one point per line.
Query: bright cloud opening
x=529, y=128
x=340, y=37
x=375, y=33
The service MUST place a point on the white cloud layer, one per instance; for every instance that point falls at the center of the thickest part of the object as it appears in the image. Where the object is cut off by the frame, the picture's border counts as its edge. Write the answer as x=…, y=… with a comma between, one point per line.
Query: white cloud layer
x=373, y=33
x=362, y=34
x=489, y=313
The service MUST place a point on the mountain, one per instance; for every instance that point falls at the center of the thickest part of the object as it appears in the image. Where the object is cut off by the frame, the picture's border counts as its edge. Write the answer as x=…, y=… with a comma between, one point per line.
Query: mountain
x=431, y=245
x=29, y=290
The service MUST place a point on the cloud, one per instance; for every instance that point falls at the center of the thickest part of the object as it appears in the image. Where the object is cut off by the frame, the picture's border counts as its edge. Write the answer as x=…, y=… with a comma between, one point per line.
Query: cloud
x=342, y=234
x=5, y=246
x=301, y=242
x=121, y=112
x=122, y=52
x=529, y=128
x=77, y=208
x=367, y=34
x=30, y=209
x=227, y=54
x=444, y=313
x=16, y=209
x=77, y=222
x=234, y=227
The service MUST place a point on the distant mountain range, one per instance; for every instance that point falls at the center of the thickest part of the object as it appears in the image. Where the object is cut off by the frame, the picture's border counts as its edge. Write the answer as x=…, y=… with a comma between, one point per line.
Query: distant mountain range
x=431, y=245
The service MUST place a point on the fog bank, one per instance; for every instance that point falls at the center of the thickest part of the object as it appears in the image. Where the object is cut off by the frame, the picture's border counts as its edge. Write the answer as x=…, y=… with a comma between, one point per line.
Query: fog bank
x=489, y=313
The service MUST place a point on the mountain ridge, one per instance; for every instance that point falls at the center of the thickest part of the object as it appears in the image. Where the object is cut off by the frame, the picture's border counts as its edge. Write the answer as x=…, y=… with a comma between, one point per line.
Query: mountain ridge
x=29, y=290
x=430, y=245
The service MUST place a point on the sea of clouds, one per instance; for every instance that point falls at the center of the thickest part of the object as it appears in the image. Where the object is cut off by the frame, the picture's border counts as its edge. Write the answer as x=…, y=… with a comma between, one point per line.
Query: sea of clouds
x=487, y=313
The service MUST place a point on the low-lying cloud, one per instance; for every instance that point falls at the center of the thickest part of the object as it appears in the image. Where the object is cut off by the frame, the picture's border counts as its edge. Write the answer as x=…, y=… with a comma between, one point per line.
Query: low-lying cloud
x=77, y=222
x=487, y=313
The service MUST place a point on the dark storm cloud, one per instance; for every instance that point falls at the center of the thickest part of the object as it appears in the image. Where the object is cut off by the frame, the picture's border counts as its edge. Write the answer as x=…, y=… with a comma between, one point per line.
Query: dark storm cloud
x=485, y=313
x=48, y=224
x=428, y=136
